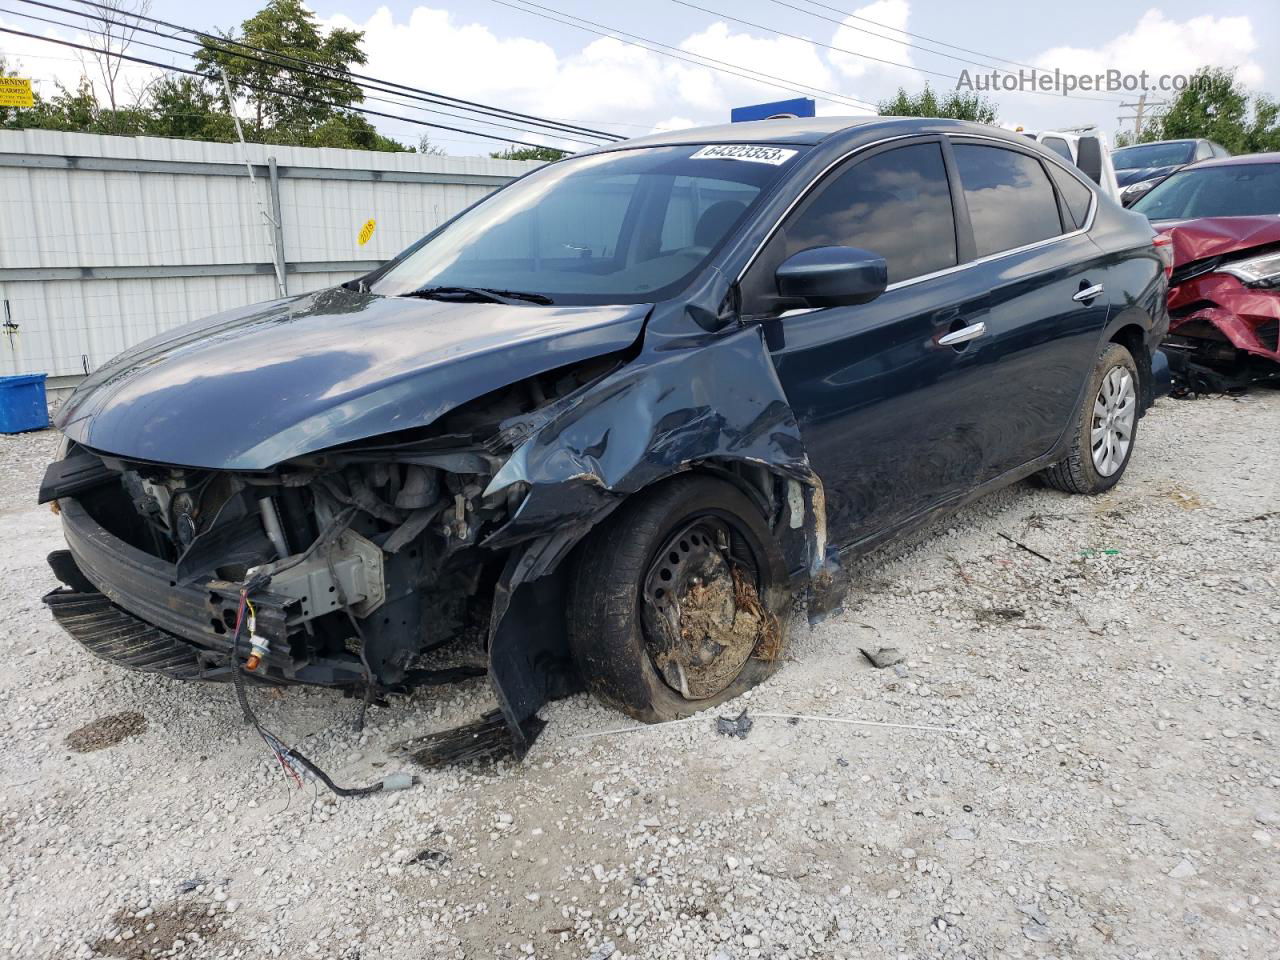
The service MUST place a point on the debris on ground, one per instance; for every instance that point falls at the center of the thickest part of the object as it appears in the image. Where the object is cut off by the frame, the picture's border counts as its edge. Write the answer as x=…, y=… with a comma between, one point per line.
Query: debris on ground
x=883, y=657
x=432, y=859
x=485, y=740
x=106, y=732
x=738, y=726
x=1000, y=613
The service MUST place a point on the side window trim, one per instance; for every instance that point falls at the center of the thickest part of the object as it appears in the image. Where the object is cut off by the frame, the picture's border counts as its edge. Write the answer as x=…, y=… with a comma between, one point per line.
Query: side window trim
x=966, y=247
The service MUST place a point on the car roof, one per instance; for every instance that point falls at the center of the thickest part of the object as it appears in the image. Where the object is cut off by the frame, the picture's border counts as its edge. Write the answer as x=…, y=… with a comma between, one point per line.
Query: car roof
x=1243, y=158
x=803, y=131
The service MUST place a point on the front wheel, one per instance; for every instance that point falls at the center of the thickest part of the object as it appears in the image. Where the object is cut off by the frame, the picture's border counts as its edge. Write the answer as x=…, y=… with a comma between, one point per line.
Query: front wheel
x=1106, y=430
x=679, y=600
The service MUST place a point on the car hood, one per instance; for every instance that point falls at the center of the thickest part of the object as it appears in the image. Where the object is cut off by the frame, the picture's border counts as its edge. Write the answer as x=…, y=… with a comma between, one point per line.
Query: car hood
x=1138, y=174
x=1215, y=236
x=252, y=387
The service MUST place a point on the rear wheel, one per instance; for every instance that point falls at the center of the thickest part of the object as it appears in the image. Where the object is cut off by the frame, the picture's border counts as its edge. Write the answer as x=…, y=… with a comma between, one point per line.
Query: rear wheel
x=1107, y=428
x=679, y=600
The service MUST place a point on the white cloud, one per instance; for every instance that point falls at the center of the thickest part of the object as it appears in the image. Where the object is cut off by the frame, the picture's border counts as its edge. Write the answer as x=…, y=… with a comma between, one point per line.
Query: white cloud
x=874, y=42
x=607, y=83
x=1162, y=46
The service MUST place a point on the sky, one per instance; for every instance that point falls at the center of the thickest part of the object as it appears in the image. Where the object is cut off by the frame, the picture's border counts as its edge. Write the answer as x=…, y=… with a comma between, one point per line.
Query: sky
x=848, y=55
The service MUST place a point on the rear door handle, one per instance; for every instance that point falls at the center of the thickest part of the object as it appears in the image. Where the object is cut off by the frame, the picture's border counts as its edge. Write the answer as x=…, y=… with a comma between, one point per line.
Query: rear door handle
x=1088, y=293
x=963, y=335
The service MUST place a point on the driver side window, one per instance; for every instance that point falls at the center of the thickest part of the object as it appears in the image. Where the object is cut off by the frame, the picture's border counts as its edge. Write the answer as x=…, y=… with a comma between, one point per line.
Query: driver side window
x=896, y=204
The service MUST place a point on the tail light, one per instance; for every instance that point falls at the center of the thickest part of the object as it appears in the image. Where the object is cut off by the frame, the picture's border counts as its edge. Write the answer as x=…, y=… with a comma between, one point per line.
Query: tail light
x=1163, y=243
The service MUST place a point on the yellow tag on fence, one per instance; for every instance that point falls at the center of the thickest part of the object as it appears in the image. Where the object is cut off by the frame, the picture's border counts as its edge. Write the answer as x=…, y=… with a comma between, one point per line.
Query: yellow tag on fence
x=16, y=92
x=366, y=231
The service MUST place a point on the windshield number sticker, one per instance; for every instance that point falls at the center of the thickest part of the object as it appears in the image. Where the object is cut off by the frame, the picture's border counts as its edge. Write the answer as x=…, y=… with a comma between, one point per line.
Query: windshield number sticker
x=752, y=153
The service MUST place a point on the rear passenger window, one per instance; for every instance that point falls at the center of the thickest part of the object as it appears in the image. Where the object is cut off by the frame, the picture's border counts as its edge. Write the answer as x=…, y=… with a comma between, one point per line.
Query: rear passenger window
x=1011, y=202
x=896, y=204
x=1076, y=195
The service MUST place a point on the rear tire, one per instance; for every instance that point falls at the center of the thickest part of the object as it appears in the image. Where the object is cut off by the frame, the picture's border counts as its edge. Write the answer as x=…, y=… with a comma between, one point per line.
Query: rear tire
x=1106, y=430
x=679, y=600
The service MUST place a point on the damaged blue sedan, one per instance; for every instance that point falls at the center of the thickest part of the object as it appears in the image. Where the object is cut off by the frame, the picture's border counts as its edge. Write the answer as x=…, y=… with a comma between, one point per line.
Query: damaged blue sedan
x=614, y=420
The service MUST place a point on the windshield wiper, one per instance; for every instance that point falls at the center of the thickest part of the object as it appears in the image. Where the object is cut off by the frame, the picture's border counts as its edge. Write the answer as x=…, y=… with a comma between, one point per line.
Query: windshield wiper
x=509, y=297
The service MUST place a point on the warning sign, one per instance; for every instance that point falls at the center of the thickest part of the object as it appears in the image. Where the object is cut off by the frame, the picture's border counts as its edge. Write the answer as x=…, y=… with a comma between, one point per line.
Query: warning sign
x=16, y=92
x=366, y=231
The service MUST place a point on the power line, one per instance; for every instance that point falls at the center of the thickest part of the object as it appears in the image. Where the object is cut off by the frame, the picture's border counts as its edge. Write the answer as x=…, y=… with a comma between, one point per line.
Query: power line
x=855, y=53
x=904, y=43
x=219, y=44
x=419, y=93
x=396, y=103
x=819, y=43
x=272, y=90
x=908, y=33
x=612, y=33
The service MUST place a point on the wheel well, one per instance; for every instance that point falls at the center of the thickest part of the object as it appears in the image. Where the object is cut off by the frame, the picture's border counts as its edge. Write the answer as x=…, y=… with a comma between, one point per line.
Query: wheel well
x=1133, y=338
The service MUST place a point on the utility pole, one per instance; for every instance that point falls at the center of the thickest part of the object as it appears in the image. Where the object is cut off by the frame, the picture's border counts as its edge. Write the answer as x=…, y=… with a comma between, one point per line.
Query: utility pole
x=275, y=240
x=1139, y=112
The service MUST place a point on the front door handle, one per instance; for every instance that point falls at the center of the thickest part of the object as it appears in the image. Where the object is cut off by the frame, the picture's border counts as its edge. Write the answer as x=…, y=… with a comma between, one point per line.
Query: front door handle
x=963, y=335
x=1088, y=293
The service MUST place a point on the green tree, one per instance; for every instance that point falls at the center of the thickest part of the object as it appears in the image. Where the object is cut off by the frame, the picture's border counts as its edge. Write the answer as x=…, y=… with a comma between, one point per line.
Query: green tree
x=956, y=105
x=350, y=131
x=285, y=97
x=547, y=154
x=186, y=108
x=1215, y=105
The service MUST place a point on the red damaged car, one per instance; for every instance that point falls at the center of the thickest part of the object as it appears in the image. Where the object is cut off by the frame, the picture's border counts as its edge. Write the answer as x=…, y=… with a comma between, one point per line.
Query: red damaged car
x=1223, y=220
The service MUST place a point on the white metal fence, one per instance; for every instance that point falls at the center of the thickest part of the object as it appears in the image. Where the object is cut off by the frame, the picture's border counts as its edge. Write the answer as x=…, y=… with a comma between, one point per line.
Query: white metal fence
x=105, y=241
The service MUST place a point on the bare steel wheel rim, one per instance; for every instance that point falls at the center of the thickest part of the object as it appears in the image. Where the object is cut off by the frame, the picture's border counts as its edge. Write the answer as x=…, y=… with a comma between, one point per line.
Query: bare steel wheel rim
x=700, y=609
x=1115, y=411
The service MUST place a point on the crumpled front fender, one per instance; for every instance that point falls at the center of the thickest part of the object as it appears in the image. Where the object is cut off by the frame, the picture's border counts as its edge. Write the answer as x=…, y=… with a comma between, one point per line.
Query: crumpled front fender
x=684, y=401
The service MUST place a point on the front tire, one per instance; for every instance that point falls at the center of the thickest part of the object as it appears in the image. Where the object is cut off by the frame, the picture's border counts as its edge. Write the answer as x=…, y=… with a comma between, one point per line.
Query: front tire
x=1107, y=428
x=679, y=600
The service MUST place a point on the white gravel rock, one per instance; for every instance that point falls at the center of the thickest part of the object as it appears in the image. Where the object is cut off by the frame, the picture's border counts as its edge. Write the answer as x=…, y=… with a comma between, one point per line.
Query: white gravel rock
x=1080, y=783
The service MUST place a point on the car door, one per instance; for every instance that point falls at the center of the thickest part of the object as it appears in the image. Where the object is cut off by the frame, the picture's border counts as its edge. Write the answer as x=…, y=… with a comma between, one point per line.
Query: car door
x=1045, y=303
x=890, y=416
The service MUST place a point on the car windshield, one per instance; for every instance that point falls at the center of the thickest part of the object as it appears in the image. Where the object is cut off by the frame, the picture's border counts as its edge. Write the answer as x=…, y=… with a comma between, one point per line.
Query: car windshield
x=627, y=226
x=1154, y=155
x=1231, y=190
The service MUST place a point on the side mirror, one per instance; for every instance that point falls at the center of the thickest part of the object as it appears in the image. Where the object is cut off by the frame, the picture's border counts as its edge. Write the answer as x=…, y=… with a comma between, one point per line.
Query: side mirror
x=832, y=276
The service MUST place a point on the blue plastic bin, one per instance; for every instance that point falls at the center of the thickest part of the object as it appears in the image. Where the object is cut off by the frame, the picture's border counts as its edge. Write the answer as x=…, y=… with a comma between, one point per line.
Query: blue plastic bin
x=22, y=403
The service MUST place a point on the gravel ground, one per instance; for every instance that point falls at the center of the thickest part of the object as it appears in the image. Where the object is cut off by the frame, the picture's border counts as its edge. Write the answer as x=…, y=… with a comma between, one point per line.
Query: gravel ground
x=1111, y=786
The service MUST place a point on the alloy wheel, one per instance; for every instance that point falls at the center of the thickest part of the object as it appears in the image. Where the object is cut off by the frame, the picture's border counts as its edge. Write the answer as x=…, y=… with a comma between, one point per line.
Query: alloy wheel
x=1114, y=413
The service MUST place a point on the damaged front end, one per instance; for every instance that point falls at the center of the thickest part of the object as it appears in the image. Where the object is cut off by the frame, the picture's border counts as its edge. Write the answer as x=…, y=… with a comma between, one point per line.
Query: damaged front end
x=366, y=557
x=1224, y=303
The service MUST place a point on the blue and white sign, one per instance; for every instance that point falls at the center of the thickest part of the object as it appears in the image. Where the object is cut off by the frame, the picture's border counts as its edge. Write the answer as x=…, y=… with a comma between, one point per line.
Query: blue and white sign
x=778, y=110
